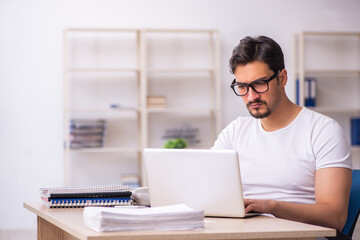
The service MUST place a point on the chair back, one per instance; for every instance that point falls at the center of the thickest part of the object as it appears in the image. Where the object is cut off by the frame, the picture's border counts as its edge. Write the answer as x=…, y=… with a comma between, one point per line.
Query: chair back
x=354, y=204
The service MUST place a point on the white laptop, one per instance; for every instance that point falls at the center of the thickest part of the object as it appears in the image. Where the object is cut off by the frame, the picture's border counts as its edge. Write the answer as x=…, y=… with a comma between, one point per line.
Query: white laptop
x=203, y=179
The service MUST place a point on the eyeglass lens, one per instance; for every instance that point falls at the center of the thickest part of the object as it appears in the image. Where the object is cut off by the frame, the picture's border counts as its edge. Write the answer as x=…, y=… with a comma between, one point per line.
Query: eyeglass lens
x=260, y=86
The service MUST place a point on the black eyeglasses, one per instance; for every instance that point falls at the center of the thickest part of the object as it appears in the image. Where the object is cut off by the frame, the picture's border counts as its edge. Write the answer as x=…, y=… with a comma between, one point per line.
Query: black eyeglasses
x=259, y=86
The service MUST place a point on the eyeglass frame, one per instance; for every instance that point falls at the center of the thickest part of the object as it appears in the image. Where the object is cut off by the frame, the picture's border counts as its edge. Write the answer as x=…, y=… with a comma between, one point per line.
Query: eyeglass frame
x=234, y=83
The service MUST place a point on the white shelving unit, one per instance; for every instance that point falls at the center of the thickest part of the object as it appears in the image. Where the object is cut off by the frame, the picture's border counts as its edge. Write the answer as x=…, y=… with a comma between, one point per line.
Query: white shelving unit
x=103, y=67
x=333, y=58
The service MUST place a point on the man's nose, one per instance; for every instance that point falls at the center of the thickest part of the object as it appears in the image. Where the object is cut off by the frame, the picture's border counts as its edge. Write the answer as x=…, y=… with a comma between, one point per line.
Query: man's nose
x=252, y=95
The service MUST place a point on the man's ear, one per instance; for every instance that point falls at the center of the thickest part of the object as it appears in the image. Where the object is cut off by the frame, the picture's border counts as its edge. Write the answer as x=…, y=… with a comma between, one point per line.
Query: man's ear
x=283, y=77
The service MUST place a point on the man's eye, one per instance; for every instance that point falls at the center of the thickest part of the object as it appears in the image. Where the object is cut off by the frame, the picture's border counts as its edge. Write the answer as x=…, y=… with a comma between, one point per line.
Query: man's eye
x=259, y=83
x=242, y=87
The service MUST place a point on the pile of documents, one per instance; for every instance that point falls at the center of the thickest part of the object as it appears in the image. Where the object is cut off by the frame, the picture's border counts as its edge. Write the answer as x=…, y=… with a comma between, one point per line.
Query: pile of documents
x=173, y=217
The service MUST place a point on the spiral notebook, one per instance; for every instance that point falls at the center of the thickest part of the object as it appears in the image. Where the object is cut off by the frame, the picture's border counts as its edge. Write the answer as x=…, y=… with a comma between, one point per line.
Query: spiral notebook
x=94, y=195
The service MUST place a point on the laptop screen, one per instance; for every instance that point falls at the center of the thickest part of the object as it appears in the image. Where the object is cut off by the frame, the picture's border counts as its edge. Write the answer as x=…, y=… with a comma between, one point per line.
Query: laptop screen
x=203, y=179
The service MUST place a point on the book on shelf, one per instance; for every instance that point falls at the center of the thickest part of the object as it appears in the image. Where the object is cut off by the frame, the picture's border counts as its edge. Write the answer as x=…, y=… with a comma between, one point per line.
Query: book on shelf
x=87, y=133
x=172, y=217
x=92, y=195
x=156, y=101
x=87, y=123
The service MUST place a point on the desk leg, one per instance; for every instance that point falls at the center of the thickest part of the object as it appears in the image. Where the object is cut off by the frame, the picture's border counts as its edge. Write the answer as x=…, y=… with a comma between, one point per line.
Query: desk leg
x=47, y=231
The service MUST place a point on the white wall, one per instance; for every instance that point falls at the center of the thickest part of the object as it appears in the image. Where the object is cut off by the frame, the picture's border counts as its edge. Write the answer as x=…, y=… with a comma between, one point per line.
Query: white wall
x=31, y=68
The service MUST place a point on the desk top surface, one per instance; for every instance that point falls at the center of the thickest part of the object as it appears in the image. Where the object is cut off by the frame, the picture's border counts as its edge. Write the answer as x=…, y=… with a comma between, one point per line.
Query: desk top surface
x=71, y=221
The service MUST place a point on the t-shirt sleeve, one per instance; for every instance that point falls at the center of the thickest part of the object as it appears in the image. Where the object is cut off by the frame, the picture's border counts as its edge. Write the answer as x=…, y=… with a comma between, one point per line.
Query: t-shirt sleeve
x=331, y=147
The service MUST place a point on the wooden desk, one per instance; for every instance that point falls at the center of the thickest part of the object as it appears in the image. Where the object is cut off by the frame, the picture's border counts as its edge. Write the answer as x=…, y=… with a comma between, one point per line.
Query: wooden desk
x=67, y=223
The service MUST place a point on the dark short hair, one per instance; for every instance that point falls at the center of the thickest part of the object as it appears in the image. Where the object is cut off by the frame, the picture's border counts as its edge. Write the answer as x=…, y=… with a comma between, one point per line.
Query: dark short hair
x=261, y=48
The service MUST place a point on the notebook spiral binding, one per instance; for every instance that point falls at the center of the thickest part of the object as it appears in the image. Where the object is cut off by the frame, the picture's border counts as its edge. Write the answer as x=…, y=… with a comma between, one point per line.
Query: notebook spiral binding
x=95, y=195
x=105, y=202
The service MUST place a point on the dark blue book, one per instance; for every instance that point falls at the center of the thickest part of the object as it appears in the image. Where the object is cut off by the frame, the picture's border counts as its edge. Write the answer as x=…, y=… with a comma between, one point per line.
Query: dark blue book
x=355, y=131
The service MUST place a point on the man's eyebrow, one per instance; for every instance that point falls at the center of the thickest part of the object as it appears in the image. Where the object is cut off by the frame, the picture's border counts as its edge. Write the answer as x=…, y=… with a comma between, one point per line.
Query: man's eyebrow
x=262, y=78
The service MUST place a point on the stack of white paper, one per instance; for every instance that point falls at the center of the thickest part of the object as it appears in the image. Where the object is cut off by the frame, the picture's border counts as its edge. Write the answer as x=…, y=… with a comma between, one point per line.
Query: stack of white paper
x=174, y=217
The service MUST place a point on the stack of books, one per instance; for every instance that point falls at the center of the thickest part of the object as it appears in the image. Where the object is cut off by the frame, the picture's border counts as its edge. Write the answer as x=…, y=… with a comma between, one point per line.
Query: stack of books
x=156, y=101
x=173, y=217
x=87, y=133
x=94, y=195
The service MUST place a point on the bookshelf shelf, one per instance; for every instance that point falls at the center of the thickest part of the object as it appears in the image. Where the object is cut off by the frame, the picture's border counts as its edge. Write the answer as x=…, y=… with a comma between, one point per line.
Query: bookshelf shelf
x=109, y=110
x=180, y=110
x=335, y=110
x=355, y=148
x=102, y=70
x=135, y=69
x=187, y=70
x=331, y=71
x=106, y=150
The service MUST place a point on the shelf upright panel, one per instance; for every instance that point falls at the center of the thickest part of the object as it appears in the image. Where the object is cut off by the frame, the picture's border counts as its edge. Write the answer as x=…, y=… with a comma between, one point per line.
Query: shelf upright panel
x=218, y=126
x=301, y=63
x=295, y=65
x=66, y=114
x=213, y=84
x=139, y=99
x=143, y=88
x=143, y=93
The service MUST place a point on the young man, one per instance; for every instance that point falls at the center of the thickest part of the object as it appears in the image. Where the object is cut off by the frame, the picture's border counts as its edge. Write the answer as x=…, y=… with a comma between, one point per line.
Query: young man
x=295, y=163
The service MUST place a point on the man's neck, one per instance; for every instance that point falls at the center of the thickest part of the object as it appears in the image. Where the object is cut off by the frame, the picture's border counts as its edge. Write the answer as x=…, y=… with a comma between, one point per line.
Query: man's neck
x=281, y=117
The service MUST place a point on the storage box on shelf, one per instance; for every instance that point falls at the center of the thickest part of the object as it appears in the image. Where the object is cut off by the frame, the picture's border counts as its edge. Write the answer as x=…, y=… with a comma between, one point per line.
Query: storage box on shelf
x=141, y=83
x=333, y=60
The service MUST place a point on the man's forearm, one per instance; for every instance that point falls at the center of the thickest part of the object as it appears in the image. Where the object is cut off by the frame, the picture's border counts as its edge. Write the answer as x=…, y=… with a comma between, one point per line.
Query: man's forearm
x=324, y=214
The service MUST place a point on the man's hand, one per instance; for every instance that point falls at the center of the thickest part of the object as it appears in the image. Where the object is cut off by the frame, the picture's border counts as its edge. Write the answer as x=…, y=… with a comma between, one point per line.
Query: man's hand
x=259, y=205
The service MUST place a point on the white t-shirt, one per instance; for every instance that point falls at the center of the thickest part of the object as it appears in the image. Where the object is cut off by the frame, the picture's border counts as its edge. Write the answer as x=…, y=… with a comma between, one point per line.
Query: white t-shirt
x=281, y=165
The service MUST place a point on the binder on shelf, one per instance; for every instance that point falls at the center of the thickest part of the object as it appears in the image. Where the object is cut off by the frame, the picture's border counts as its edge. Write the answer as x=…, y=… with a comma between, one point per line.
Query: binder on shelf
x=310, y=91
x=95, y=195
x=355, y=131
x=297, y=87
